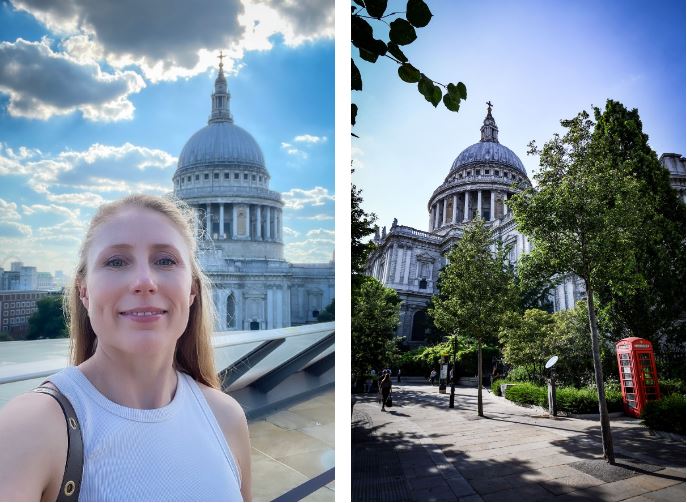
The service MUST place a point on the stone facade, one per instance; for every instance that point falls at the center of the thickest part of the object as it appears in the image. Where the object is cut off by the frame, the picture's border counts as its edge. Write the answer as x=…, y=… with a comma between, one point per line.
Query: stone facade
x=222, y=175
x=479, y=183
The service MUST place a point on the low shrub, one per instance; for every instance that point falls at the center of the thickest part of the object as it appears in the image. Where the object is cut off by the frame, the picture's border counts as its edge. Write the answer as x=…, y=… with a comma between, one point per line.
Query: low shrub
x=496, y=386
x=671, y=386
x=666, y=414
x=527, y=394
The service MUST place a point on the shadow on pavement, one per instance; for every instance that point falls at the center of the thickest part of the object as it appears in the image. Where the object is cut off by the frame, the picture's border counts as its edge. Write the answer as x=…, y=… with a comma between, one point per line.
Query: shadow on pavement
x=396, y=466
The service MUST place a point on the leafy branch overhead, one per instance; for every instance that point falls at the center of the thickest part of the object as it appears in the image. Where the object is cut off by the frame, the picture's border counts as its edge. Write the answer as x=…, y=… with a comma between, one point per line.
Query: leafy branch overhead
x=401, y=33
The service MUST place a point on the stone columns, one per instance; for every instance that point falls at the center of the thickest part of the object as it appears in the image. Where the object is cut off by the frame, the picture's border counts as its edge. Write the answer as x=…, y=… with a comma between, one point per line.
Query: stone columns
x=270, y=308
x=492, y=209
x=436, y=216
x=287, y=313
x=505, y=206
x=268, y=217
x=443, y=215
x=258, y=223
x=399, y=260
x=454, y=217
x=234, y=221
x=249, y=232
x=479, y=203
x=465, y=211
x=208, y=222
x=221, y=220
x=406, y=275
x=280, y=308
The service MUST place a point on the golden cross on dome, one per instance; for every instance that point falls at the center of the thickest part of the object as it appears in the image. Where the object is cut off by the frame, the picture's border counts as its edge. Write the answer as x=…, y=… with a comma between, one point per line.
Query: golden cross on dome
x=221, y=56
x=489, y=105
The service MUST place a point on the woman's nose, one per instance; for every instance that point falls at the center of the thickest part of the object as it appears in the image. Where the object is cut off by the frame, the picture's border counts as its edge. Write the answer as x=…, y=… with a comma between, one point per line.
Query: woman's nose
x=144, y=281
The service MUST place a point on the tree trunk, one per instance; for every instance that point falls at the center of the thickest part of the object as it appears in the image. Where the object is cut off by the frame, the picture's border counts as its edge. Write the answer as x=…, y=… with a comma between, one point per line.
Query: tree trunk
x=479, y=378
x=606, y=438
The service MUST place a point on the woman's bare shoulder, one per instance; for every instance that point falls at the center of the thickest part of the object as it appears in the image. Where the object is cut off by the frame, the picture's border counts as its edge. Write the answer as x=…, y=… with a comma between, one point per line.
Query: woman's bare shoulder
x=227, y=410
x=33, y=447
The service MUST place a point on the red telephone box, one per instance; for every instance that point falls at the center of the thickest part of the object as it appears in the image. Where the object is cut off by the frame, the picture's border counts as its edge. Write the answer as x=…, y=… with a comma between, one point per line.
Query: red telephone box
x=638, y=377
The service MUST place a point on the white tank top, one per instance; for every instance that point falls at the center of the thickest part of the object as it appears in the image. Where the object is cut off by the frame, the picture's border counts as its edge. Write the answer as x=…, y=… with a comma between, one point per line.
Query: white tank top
x=175, y=453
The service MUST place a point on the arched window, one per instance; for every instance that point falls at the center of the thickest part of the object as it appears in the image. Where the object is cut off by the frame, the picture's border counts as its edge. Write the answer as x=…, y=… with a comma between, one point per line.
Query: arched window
x=231, y=311
x=420, y=326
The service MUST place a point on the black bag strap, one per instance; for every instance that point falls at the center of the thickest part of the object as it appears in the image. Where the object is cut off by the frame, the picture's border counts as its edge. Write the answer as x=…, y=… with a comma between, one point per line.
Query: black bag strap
x=73, y=468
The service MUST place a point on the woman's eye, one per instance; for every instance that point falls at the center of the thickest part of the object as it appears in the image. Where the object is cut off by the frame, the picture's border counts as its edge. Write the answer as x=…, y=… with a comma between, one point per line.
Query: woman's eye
x=115, y=262
x=166, y=261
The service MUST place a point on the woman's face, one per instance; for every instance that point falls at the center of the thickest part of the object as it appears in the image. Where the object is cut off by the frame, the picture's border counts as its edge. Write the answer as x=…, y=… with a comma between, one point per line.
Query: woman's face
x=138, y=287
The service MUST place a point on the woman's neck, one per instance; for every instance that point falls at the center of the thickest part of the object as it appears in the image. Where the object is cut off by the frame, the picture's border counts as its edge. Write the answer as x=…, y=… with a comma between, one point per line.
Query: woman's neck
x=139, y=383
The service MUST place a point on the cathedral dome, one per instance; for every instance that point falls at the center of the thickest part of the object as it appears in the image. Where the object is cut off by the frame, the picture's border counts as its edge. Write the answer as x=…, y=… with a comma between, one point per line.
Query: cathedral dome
x=221, y=143
x=488, y=150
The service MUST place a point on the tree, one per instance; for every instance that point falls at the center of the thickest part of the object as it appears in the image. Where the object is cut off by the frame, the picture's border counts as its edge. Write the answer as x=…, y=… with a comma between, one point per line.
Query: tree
x=584, y=218
x=477, y=290
x=527, y=339
x=361, y=227
x=327, y=314
x=48, y=321
x=401, y=33
x=651, y=311
x=374, y=319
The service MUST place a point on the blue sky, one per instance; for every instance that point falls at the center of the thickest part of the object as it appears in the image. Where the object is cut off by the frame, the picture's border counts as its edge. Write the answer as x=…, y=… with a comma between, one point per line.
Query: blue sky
x=538, y=62
x=97, y=99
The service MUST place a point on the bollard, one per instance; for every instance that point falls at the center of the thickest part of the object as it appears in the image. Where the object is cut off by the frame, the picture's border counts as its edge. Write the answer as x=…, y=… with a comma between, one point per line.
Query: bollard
x=552, y=396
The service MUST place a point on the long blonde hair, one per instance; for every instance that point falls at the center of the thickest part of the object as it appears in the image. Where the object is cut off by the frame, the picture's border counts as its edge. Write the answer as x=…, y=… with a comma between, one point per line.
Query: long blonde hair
x=193, y=354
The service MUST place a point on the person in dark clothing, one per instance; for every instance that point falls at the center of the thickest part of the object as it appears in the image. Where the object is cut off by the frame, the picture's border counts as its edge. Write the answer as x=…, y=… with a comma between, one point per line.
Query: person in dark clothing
x=398, y=376
x=385, y=387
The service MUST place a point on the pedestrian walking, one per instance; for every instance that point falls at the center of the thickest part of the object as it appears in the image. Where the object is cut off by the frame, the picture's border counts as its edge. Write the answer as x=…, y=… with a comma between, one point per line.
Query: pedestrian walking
x=432, y=376
x=398, y=376
x=385, y=388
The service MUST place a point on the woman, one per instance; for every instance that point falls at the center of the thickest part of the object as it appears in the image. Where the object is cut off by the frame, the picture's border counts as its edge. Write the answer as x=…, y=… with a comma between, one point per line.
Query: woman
x=385, y=387
x=155, y=424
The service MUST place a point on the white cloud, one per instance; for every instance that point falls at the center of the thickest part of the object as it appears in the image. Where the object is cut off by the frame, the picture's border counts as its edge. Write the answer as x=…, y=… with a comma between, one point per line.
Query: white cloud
x=8, y=211
x=14, y=229
x=41, y=83
x=320, y=234
x=310, y=251
x=169, y=39
x=288, y=231
x=319, y=217
x=52, y=209
x=300, y=198
x=80, y=177
x=308, y=138
x=291, y=150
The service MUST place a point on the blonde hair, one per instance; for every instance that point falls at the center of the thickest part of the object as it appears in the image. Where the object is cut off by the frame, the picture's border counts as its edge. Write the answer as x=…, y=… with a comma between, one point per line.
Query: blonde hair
x=193, y=354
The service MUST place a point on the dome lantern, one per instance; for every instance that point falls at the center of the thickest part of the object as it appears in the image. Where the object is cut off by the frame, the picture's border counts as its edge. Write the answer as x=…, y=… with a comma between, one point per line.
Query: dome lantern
x=221, y=97
x=490, y=132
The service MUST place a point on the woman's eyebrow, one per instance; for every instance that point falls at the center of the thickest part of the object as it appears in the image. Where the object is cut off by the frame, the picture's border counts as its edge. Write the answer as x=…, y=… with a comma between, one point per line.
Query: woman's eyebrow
x=127, y=246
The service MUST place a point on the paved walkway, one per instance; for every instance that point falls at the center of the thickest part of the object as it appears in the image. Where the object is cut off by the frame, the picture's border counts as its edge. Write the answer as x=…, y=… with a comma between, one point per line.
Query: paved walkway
x=420, y=450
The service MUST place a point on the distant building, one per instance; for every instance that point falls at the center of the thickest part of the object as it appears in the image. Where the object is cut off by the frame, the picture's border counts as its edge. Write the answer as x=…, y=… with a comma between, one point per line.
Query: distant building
x=10, y=280
x=16, y=307
x=28, y=278
x=675, y=164
x=45, y=282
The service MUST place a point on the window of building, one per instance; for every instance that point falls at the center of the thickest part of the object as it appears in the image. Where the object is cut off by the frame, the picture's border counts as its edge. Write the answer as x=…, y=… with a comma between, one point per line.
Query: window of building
x=226, y=176
x=423, y=284
x=486, y=171
x=188, y=179
x=197, y=177
x=236, y=176
x=216, y=176
x=468, y=173
x=207, y=176
x=477, y=172
x=496, y=172
x=245, y=176
x=260, y=178
x=253, y=177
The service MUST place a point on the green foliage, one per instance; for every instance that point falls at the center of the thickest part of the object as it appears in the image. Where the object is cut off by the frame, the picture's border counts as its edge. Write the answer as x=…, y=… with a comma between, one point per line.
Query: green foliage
x=375, y=317
x=671, y=386
x=327, y=314
x=476, y=289
x=649, y=311
x=666, y=414
x=496, y=386
x=4, y=337
x=361, y=227
x=48, y=321
x=568, y=399
x=527, y=394
x=527, y=339
x=402, y=32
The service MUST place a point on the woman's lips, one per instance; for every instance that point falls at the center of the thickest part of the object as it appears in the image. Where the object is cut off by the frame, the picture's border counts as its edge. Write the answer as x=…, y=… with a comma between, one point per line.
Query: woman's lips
x=143, y=315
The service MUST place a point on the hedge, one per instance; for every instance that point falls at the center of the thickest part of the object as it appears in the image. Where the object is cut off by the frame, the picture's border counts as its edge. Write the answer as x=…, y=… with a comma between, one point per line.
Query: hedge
x=568, y=399
x=666, y=414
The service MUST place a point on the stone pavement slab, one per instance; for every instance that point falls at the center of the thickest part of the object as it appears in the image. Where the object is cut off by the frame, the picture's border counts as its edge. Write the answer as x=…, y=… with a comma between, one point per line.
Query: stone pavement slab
x=434, y=453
